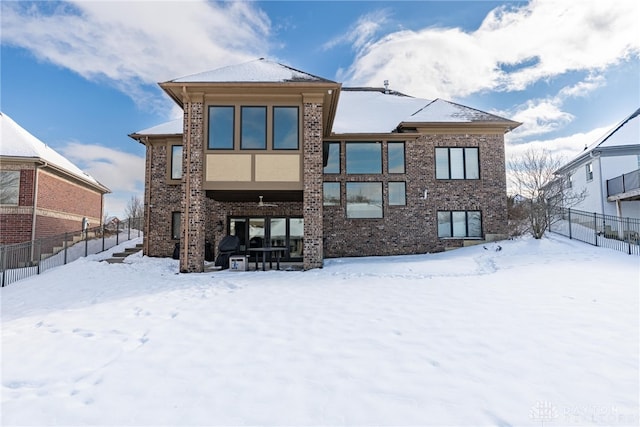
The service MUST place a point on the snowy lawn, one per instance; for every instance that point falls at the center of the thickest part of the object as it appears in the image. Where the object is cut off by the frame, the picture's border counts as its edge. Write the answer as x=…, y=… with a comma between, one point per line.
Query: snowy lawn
x=538, y=333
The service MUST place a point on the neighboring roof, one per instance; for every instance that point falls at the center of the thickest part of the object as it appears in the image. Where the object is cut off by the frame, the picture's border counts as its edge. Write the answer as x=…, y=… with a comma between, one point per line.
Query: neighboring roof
x=256, y=71
x=622, y=139
x=17, y=142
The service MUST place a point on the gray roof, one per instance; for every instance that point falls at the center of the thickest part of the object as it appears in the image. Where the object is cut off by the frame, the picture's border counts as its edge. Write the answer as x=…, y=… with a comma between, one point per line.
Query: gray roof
x=256, y=71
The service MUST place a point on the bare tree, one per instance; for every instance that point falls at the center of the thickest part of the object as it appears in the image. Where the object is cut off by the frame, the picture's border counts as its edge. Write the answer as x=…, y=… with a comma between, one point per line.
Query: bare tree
x=542, y=191
x=134, y=208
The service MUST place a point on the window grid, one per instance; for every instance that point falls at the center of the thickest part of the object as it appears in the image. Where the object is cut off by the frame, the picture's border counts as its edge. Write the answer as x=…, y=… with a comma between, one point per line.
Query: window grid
x=457, y=163
x=459, y=224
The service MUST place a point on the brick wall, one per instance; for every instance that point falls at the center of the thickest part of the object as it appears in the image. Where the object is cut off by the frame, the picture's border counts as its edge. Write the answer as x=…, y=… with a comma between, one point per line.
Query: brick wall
x=193, y=201
x=413, y=228
x=312, y=205
x=161, y=199
x=61, y=205
x=59, y=194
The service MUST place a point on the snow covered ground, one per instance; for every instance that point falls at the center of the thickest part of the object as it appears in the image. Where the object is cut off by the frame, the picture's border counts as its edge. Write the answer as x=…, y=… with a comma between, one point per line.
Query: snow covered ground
x=538, y=333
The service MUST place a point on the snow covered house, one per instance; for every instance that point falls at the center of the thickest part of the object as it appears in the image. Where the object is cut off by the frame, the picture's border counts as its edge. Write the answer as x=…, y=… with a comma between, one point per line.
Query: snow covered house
x=280, y=157
x=609, y=169
x=41, y=192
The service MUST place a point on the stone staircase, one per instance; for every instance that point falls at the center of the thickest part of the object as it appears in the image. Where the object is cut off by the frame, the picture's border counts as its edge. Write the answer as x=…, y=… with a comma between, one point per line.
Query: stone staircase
x=118, y=257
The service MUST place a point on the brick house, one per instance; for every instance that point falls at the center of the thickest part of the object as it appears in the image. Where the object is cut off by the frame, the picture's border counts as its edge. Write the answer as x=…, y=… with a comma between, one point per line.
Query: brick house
x=41, y=192
x=280, y=157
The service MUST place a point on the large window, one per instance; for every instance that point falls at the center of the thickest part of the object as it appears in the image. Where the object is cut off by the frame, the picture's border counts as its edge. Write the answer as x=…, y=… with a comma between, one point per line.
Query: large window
x=364, y=157
x=176, y=162
x=364, y=200
x=175, y=225
x=9, y=187
x=331, y=157
x=221, y=127
x=397, y=194
x=253, y=122
x=457, y=163
x=459, y=224
x=285, y=128
x=395, y=159
x=331, y=193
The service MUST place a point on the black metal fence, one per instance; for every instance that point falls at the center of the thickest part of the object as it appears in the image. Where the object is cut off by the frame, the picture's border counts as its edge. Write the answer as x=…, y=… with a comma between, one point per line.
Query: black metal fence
x=21, y=260
x=609, y=231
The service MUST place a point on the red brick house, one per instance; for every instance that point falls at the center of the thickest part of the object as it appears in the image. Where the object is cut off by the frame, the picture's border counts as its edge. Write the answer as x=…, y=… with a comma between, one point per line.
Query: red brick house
x=41, y=192
x=280, y=157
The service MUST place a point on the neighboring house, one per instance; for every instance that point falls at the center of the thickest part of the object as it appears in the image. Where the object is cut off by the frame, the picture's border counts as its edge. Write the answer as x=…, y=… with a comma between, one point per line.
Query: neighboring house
x=609, y=169
x=280, y=157
x=41, y=192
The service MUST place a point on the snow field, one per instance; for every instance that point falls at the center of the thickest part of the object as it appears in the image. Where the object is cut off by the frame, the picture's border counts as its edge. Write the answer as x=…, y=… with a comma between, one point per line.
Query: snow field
x=539, y=332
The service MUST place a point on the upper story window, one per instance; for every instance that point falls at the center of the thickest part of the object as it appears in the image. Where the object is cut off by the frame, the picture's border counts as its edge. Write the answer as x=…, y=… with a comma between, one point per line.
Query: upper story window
x=364, y=157
x=395, y=157
x=176, y=162
x=221, y=127
x=285, y=128
x=260, y=127
x=457, y=163
x=331, y=157
x=253, y=128
x=589, y=170
x=9, y=187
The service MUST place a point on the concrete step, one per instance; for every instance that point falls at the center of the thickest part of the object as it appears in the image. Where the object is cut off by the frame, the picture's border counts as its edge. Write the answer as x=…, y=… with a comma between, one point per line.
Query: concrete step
x=117, y=260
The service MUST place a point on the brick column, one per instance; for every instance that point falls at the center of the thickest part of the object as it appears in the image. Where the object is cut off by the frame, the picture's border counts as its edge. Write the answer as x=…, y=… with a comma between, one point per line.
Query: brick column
x=193, y=196
x=312, y=205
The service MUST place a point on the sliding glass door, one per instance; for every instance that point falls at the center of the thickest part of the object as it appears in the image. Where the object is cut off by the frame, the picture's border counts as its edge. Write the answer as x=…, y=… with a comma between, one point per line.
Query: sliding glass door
x=258, y=232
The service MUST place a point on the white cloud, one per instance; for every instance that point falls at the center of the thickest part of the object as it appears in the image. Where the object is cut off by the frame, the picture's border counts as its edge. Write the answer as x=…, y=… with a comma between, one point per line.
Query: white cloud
x=122, y=173
x=364, y=30
x=565, y=148
x=513, y=48
x=133, y=44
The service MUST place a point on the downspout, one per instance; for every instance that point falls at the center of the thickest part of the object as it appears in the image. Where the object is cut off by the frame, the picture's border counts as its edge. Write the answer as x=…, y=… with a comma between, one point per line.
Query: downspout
x=35, y=207
x=187, y=184
x=147, y=195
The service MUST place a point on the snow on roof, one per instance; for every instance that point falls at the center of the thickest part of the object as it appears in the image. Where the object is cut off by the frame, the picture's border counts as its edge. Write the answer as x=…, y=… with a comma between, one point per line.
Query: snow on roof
x=257, y=71
x=373, y=111
x=173, y=127
x=625, y=133
x=17, y=142
x=441, y=111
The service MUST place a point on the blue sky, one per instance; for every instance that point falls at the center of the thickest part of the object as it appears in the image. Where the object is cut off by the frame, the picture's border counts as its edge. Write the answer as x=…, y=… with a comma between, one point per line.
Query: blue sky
x=83, y=75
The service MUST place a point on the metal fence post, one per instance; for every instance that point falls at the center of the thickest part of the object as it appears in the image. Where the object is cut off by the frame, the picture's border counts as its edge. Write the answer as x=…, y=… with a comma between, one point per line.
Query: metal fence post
x=86, y=242
x=39, y=255
x=595, y=227
x=66, y=243
x=569, y=217
x=3, y=263
x=129, y=228
x=104, y=230
x=629, y=236
x=117, y=234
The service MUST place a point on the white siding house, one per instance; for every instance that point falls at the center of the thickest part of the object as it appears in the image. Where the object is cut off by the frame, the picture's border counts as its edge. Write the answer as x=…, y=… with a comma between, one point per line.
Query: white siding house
x=609, y=169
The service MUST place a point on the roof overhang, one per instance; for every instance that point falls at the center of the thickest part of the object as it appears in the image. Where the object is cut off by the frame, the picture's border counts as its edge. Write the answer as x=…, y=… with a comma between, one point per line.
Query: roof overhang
x=40, y=162
x=500, y=127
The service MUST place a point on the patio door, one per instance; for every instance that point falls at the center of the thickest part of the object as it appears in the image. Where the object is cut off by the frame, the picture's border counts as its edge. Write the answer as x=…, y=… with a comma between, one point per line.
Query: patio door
x=258, y=232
